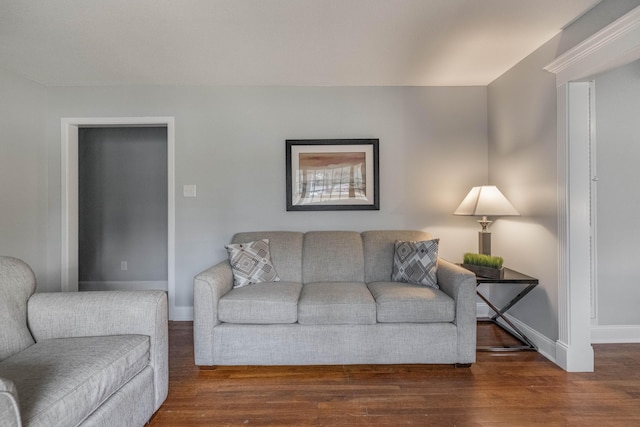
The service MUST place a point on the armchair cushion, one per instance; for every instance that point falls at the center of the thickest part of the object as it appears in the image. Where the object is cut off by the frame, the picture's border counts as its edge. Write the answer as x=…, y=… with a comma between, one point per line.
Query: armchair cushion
x=62, y=381
x=88, y=314
x=9, y=407
x=17, y=284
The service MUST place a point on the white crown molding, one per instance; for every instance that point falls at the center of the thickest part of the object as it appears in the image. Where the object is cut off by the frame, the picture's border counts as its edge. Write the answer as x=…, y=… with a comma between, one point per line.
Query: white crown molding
x=614, y=45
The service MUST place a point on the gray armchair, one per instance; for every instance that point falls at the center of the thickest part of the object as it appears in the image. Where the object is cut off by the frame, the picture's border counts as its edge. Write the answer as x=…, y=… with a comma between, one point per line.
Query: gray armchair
x=90, y=358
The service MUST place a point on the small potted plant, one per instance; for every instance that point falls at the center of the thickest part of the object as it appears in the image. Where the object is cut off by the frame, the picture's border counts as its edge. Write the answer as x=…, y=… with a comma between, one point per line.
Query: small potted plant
x=484, y=265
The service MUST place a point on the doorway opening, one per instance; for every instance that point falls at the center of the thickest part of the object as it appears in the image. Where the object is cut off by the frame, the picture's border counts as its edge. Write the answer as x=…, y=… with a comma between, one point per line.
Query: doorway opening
x=70, y=128
x=122, y=208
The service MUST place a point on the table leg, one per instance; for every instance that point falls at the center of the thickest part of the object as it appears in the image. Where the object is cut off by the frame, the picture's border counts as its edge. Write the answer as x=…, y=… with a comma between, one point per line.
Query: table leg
x=515, y=332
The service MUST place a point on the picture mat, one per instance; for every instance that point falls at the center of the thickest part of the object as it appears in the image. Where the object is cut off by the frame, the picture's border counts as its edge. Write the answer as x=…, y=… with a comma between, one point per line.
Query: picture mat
x=364, y=197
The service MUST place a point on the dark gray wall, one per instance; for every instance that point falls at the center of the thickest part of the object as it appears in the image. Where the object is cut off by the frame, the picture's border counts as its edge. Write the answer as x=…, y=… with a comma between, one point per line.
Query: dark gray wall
x=122, y=200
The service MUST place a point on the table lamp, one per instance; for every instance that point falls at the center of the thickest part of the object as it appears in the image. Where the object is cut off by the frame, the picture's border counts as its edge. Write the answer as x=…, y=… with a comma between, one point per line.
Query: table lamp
x=485, y=200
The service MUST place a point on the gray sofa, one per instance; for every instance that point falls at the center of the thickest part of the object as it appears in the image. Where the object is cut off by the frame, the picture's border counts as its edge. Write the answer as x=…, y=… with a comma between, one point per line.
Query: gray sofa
x=335, y=304
x=89, y=359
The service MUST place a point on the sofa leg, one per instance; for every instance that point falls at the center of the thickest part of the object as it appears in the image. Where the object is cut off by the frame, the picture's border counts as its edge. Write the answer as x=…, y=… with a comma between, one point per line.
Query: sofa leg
x=463, y=365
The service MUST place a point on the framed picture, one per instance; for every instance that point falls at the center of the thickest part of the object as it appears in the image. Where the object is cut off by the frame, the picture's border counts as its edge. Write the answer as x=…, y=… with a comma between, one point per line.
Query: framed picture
x=332, y=174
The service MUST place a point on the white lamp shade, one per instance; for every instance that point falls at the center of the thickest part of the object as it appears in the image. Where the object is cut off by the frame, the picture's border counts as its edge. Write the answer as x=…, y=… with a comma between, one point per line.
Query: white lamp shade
x=485, y=200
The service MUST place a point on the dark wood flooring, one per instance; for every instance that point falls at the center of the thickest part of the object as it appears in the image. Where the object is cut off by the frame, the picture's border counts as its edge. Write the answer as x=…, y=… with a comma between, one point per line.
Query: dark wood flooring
x=501, y=389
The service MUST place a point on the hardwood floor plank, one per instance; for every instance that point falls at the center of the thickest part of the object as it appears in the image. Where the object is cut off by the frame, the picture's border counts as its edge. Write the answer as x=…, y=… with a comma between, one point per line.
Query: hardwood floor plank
x=501, y=389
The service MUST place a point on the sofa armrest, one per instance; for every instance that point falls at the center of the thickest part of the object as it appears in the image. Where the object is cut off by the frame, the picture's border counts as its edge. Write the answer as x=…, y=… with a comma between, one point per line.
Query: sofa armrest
x=79, y=314
x=9, y=407
x=460, y=284
x=208, y=287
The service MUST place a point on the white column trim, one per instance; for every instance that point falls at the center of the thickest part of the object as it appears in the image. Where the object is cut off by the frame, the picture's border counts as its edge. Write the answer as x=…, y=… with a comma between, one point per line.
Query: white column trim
x=574, y=352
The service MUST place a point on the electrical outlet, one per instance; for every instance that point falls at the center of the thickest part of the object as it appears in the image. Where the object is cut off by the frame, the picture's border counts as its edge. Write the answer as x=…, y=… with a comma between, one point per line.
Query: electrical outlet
x=123, y=265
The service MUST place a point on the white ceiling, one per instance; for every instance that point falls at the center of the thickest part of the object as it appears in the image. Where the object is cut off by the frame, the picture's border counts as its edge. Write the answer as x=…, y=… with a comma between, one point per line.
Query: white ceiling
x=275, y=42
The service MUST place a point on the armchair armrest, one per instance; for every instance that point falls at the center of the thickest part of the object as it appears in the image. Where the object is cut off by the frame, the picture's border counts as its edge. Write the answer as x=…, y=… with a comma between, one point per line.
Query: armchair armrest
x=208, y=287
x=9, y=407
x=460, y=284
x=80, y=314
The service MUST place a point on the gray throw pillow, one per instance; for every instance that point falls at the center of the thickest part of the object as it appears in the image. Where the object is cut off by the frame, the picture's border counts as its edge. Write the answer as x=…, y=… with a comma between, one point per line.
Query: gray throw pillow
x=251, y=263
x=416, y=262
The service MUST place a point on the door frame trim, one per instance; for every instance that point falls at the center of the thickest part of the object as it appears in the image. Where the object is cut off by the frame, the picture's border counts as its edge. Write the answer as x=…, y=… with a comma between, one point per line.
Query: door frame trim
x=69, y=176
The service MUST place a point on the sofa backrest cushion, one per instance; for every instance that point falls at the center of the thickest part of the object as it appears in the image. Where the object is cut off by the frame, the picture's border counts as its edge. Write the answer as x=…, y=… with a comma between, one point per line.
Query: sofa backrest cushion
x=285, y=248
x=379, y=247
x=332, y=256
x=17, y=284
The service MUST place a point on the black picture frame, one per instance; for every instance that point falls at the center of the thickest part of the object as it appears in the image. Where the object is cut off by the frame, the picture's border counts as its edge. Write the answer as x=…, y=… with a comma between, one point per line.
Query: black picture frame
x=332, y=174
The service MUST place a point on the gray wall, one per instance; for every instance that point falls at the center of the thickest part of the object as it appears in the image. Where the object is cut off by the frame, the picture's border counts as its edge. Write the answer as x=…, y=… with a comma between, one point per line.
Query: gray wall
x=230, y=142
x=522, y=161
x=618, y=195
x=23, y=166
x=122, y=200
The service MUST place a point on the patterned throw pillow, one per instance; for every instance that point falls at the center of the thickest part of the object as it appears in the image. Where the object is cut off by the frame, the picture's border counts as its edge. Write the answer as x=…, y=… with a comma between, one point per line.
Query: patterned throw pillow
x=251, y=263
x=416, y=262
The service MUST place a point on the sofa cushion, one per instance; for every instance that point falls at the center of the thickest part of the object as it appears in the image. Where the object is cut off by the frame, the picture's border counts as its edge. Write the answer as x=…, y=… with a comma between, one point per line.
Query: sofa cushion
x=408, y=303
x=416, y=262
x=17, y=284
x=285, y=248
x=336, y=303
x=251, y=263
x=379, y=247
x=262, y=303
x=332, y=256
x=62, y=381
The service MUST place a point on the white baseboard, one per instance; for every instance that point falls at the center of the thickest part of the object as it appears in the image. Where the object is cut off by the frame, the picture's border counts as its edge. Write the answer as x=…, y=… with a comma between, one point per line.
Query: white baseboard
x=482, y=310
x=614, y=334
x=181, y=314
x=137, y=285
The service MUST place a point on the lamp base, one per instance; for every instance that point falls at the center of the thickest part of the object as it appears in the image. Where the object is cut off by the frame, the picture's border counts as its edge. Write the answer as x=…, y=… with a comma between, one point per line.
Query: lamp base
x=484, y=242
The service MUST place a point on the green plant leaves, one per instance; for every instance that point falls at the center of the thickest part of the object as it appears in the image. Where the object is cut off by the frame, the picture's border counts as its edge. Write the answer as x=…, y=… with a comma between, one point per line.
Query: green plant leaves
x=483, y=260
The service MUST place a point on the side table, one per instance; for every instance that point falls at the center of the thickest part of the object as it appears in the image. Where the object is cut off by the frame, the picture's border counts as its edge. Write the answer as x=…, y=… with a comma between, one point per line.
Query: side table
x=511, y=278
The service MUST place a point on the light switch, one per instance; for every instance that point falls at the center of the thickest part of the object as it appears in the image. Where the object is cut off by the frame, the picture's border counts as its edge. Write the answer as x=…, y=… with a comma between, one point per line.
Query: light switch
x=189, y=191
